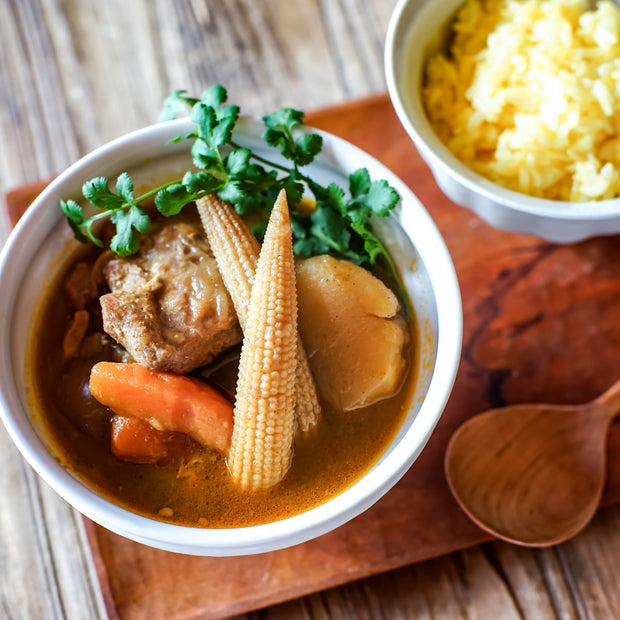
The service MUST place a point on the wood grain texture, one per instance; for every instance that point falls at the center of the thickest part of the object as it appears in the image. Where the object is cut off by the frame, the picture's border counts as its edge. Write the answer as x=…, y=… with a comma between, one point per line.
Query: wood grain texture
x=76, y=73
x=418, y=519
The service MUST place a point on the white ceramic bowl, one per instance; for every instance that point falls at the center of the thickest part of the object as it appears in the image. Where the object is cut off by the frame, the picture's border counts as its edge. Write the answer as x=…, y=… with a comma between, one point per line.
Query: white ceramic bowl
x=418, y=28
x=42, y=240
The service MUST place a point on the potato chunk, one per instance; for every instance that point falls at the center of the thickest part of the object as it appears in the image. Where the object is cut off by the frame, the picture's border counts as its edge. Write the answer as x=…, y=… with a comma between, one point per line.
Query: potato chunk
x=353, y=331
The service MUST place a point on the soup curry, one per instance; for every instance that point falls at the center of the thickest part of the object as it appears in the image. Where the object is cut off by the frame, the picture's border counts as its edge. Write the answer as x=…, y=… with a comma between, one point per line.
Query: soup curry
x=184, y=481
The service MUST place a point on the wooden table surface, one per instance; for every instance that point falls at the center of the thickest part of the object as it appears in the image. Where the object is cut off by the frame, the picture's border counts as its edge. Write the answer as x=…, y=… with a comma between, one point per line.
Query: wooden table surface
x=76, y=73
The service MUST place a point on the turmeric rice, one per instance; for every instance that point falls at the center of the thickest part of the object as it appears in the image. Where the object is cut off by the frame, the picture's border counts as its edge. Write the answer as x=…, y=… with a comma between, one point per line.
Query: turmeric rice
x=528, y=95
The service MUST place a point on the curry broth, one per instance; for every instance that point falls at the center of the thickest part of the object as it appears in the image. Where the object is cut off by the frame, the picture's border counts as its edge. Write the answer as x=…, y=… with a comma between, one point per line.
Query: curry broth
x=195, y=488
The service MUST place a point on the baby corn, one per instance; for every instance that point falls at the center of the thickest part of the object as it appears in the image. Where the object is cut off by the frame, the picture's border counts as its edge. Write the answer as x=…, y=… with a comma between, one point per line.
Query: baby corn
x=262, y=439
x=236, y=252
x=235, y=249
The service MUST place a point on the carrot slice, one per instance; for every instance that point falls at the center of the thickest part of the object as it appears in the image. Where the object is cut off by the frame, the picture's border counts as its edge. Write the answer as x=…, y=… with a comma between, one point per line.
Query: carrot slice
x=75, y=333
x=167, y=401
x=137, y=441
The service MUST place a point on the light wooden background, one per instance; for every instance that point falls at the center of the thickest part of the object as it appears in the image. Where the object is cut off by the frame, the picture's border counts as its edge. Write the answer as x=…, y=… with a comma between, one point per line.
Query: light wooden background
x=76, y=73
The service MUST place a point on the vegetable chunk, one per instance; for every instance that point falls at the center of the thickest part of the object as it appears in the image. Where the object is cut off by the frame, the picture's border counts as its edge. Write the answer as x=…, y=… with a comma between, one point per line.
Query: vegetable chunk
x=167, y=401
x=75, y=334
x=351, y=327
x=262, y=440
x=236, y=252
x=136, y=441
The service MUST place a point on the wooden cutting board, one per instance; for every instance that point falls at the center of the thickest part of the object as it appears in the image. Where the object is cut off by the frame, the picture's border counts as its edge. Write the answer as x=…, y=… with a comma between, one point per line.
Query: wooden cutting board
x=541, y=324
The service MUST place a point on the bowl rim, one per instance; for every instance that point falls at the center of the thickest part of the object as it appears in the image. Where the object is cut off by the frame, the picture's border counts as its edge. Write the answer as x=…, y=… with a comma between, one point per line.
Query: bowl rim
x=434, y=150
x=277, y=534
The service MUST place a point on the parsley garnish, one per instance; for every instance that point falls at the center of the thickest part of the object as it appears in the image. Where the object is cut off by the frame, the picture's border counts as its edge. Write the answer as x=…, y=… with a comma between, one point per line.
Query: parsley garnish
x=339, y=224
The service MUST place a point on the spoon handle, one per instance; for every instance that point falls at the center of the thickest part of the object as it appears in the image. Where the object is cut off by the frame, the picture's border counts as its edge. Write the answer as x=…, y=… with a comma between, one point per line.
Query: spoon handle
x=610, y=400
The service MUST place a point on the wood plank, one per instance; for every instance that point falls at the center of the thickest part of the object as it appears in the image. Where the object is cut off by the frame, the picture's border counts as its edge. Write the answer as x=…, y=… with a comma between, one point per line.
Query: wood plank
x=77, y=73
x=83, y=98
x=53, y=56
x=418, y=519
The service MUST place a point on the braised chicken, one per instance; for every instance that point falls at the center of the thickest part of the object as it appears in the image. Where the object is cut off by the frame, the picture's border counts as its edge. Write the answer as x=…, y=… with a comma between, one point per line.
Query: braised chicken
x=168, y=305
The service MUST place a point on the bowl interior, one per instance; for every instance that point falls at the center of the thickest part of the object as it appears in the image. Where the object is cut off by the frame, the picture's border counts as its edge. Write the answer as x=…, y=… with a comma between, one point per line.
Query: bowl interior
x=42, y=242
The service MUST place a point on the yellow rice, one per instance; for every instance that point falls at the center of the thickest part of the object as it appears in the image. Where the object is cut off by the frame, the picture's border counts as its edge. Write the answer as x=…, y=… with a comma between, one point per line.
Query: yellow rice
x=529, y=95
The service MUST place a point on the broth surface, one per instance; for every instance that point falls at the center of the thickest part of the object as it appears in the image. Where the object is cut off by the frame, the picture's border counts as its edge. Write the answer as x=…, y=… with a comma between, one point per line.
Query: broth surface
x=194, y=488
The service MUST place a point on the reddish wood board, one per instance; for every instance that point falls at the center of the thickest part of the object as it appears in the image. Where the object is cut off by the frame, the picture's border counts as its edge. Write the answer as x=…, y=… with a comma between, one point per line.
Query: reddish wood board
x=540, y=325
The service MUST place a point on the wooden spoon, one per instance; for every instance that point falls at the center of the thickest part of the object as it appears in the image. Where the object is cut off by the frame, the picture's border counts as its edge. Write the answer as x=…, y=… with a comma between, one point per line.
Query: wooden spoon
x=532, y=474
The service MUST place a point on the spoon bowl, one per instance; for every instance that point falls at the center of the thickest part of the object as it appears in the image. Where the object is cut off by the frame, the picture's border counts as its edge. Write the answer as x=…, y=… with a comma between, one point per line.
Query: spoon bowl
x=532, y=474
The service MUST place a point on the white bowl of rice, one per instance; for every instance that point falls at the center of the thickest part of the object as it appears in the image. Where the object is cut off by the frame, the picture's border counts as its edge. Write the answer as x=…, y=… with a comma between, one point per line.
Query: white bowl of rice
x=515, y=107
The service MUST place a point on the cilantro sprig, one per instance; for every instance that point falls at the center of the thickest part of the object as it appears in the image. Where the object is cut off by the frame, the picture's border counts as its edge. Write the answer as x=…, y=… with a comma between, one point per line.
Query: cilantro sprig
x=340, y=222
x=120, y=207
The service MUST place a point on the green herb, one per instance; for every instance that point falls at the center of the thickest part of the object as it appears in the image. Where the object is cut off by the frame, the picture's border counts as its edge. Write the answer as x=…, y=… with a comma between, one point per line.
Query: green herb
x=340, y=224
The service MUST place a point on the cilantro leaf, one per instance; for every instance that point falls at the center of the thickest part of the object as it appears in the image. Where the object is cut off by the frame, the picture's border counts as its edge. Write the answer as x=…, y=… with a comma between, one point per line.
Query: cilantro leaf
x=124, y=188
x=73, y=211
x=75, y=216
x=258, y=185
x=139, y=219
x=310, y=246
x=382, y=198
x=206, y=157
x=284, y=119
x=336, y=197
x=196, y=182
x=214, y=96
x=214, y=121
x=174, y=104
x=279, y=133
x=377, y=197
x=182, y=137
x=231, y=192
x=359, y=213
x=294, y=189
x=372, y=245
x=307, y=147
x=329, y=227
x=305, y=242
x=126, y=241
x=98, y=193
x=237, y=161
x=259, y=178
x=226, y=121
x=205, y=118
x=170, y=200
x=340, y=223
x=359, y=182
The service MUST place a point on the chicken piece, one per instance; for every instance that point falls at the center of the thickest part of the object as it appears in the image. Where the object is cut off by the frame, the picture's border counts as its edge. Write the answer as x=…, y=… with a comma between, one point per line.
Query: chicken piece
x=352, y=329
x=79, y=286
x=168, y=306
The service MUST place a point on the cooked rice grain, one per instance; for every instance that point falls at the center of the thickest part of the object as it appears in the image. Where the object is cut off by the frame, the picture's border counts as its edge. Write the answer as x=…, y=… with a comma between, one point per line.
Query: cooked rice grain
x=529, y=95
